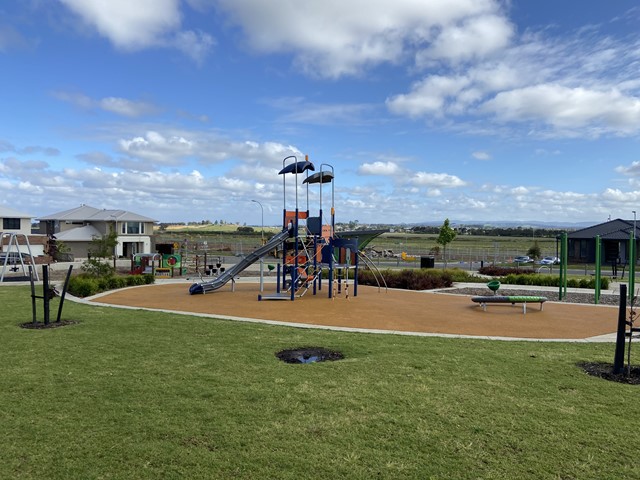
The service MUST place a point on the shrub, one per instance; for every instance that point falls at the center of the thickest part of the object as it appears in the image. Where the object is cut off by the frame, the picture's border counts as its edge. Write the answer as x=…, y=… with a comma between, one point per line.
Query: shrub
x=459, y=275
x=553, y=281
x=495, y=271
x=82, y=286
x=409, y=279
x=114, y=283
x=96, y=267
x=85, y=285
x=135, y=280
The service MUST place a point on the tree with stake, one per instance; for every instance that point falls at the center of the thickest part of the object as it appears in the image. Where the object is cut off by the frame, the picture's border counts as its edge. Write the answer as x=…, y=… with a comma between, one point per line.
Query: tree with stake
x=101, y=248
x=445, y=237
x=534, y=252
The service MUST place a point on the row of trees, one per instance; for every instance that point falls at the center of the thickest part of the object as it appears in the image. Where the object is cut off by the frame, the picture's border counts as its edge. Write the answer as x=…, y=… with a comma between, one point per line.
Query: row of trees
x=495, y=231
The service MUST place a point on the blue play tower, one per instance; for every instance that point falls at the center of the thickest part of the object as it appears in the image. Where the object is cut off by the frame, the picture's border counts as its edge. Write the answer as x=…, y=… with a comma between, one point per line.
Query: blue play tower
x=312, y=251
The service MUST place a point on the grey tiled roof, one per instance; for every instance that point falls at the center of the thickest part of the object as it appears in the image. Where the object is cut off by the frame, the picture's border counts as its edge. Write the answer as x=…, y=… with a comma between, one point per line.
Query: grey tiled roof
x=617, y=229
x=6, y=212
x=87, y=213
x=80, y=234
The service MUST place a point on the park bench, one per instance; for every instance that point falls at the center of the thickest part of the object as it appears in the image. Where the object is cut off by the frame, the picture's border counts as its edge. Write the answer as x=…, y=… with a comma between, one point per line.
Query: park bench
x=512, y=299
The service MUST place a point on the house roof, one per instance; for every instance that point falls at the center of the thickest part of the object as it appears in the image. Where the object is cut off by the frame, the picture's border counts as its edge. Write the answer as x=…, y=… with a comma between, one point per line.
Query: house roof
x=6, y=212
x=80, y=234
x=86, y=213
x=617, y=229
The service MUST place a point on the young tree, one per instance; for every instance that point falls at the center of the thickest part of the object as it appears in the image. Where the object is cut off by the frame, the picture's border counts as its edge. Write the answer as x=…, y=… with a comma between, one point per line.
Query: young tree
x=101, y=248
x=534, y=252
x=445, y=237
x=104, y=246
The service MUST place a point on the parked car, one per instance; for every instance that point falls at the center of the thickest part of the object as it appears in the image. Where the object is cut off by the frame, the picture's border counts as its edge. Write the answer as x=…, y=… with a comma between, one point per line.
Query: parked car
x=12, y=258
x=523, y=259
x=550, y=261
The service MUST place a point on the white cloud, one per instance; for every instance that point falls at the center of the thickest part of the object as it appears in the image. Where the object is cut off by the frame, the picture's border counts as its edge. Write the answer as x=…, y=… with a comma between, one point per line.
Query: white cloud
x=301, y=111
x=194, y=44
x=174, y=147
x=481, y=155
x=474, y=37
x=441, y=180
x=158, y=148
x=428, y=97
x=616, y=195
x=117, y=105
x=129, y=25
x=334, y=38
x=127, y=108
x=632, y=170
x=142, y=24
x=568, y=108
x=580, y=85
x=379, y=168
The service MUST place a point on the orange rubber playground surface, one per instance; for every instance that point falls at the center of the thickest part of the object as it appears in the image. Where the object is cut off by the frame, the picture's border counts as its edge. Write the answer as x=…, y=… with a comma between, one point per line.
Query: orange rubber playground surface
x=392, y=310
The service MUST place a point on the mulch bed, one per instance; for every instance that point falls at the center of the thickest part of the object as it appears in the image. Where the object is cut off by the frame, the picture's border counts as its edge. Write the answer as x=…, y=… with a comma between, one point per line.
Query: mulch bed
x=43, y=326
x=629, y=376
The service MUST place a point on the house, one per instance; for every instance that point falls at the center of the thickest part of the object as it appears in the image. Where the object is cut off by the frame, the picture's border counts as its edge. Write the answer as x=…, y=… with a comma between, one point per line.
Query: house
x=14, y=221
x=614, y=236
x=76, y=228
x=15, y=233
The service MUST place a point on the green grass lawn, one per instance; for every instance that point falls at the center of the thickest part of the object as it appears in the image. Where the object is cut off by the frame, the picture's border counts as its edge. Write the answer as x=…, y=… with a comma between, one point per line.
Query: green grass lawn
x=130, y=394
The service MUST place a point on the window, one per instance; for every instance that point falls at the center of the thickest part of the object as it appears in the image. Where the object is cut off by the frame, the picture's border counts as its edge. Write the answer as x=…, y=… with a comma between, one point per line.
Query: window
x=11, y=224
x=132, y=228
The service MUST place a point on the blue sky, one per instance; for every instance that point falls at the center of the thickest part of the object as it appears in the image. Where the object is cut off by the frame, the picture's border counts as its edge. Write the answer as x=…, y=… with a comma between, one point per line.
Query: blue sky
x=473, y=110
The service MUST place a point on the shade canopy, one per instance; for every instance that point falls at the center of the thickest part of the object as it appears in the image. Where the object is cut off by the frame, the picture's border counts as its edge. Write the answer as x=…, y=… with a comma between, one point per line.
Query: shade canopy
x=319, y=177
x=297, y=167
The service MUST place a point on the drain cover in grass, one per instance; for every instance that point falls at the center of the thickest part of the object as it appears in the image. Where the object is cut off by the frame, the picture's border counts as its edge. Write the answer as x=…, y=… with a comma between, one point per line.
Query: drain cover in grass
x=308, y=355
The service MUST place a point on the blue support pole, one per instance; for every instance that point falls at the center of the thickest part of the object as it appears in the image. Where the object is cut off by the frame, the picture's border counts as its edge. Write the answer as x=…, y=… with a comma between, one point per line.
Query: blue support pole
x=597, y=285
x=294, y=273
x=278, y=271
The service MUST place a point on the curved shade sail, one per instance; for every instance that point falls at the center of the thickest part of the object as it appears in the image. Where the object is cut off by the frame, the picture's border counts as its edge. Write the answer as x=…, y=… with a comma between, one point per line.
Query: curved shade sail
x=297, y=167
x=319, y=177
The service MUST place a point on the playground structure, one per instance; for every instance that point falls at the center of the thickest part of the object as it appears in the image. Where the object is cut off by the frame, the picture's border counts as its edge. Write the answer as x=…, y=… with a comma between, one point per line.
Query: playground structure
x=311, y=249
x=157, y=264
x=13, y=245
x=223, y=276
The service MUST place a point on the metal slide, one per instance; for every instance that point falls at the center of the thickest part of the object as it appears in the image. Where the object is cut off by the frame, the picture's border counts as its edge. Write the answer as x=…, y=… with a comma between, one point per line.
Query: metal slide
x=250, y=259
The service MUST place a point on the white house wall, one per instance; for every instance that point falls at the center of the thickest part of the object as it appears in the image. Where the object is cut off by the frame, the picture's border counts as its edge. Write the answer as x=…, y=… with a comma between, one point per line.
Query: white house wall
x=143, y=240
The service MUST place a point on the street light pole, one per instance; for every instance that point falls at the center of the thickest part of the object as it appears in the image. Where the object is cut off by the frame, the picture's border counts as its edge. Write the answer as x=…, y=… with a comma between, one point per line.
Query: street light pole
x=261, y=218
x=261, y=258
x=634, y=257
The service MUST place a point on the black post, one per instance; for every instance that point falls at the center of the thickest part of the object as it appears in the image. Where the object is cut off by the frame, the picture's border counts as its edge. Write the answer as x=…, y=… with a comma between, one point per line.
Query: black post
x=64, y=292
x=45, y=292
x=618, y=360
x=33, y=294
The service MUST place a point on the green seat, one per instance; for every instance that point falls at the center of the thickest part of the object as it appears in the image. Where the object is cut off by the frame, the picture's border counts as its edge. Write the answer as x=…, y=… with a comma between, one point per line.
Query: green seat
x=494, y=285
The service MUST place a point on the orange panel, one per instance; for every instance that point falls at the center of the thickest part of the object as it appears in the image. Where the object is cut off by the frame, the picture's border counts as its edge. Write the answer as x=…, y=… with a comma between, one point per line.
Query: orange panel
x=291, y=259
x=290, y=217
